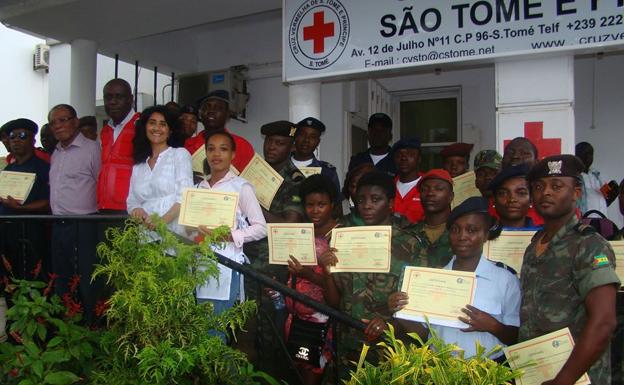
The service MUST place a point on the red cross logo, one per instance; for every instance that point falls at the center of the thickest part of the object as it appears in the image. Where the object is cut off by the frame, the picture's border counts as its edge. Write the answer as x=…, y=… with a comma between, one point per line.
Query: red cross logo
x=534, y=131
x=318, y=32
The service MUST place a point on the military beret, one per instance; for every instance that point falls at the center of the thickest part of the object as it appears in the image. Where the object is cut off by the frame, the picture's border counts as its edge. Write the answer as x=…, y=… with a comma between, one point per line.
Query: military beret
x=557, y=165
x=312, y=123
x=381, y=118
x=437, y=173
x=488, y=158
x=519, y=170
x=457, y=149
x=406, y=143
x=280, y=127
x=22, y=123
x=469, y=206
x=222, y=95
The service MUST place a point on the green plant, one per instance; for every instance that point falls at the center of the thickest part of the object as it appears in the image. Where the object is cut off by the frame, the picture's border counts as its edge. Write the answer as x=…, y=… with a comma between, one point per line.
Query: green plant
x=157, y=333
x=48, y=345
x=429, y=362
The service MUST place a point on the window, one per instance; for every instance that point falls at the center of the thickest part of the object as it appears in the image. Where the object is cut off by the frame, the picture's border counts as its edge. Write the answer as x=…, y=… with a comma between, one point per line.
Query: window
x=434, y=116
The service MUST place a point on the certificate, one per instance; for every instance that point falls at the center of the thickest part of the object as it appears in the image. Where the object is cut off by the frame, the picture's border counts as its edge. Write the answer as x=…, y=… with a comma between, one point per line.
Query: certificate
x=264, y=178
x=16, y=184
x=198, y=159
x=307, y=171
x=618, y=249
x=208, y=207
x=362, y=249
x=464, y=188
x=542, y=358
x=437, y=294
x=509, y=248
x=296, y=239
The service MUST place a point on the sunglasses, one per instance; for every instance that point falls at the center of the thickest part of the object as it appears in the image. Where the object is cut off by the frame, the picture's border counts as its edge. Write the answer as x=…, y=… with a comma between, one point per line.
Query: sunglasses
x=22, y=135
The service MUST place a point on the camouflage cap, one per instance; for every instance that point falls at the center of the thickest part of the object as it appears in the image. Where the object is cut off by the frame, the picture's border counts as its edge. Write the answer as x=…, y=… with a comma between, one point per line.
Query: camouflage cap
x=557, y=165
x=488, y=158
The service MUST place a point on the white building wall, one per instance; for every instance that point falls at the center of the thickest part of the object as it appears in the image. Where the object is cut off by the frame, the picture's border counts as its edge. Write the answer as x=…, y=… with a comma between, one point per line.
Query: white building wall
x=25, y=91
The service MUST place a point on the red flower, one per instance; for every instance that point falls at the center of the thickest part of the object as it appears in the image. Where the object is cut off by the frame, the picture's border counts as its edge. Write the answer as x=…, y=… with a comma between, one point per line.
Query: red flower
x=7, y=264
x=73, y=307
x=101, y=307
x=14, y=372
x=37, y=269
x=53, y=276
x=73, y=283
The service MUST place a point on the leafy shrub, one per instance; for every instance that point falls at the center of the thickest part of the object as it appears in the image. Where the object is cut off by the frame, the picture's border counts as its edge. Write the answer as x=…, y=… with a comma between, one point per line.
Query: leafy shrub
x=430, y=362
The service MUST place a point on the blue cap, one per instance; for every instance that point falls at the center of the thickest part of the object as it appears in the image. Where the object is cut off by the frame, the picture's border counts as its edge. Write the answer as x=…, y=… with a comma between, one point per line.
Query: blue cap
x=313, y=123
x=469, y=206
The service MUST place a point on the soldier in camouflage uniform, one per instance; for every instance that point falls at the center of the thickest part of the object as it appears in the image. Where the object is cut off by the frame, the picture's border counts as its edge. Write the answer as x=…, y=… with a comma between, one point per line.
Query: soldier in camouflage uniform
x=364, y=295
x=285, y=207
x=568, y=277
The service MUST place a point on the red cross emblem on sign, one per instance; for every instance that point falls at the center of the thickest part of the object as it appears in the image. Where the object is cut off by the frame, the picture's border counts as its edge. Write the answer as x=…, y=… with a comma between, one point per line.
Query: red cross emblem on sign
x=318, y=32
x=534, y=131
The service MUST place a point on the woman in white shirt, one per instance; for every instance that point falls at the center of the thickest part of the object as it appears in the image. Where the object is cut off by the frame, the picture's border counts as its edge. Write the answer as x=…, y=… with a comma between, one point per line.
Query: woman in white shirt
x=250, y=222
x=160, y=172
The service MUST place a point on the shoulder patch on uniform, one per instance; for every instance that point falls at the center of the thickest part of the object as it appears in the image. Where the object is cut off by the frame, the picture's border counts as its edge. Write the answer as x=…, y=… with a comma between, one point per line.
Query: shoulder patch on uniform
x=584, y=229
x=508, y=268
x=599, y=261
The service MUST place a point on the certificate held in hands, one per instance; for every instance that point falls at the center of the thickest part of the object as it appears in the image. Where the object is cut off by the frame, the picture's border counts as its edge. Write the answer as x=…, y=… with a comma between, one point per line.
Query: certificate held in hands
x=437, y=294
x=264, y=178
x=542, y=358
x=464, y=188
x=362, y=249
x=296, y=239
x=208, y=208
x=509, y=248
x=16, y=184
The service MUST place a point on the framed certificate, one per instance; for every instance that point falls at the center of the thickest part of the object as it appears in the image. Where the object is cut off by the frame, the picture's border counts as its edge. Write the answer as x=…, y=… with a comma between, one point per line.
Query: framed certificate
x=542, y=358
x=264, y=178
x=618, y=249
x=437, y=294
x=296, y=239
x=307, y=171
x=509, y=248
x=208, y=207
x=16, y=184
x=362, y=249
x=464, y=188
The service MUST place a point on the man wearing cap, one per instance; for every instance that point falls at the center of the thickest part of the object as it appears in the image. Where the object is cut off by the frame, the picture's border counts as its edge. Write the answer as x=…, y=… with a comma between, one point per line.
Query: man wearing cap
x=188, y=121
x=117, y=135
x=4, y=136
x=493, y=318
x=456, y=158
x=379, y=136
x=214, y=113
x=307, y=139
x=21, y=134
x=406, y=153
x=487, y=164
x=568, y=277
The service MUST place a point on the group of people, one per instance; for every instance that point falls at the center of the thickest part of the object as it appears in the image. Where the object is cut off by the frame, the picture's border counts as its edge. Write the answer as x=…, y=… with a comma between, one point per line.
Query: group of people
x=144, y=161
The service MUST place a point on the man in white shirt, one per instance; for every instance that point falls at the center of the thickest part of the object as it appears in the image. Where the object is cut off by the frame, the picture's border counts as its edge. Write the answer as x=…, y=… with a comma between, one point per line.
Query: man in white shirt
x=592, y=198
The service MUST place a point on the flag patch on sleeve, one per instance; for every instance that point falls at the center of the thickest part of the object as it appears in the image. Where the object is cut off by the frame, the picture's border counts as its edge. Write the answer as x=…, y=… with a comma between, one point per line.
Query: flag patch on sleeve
x=599, y=261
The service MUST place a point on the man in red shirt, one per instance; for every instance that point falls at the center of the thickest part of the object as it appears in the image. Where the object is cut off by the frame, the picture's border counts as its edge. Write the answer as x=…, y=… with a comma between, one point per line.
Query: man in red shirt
x=406, y=153
x=214, y=112
x=117, y=136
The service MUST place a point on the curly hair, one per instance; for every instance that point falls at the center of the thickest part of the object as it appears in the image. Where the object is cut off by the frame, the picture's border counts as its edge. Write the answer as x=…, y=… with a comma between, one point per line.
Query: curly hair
x=378, y=179
x=317, y=184
x=141, y=146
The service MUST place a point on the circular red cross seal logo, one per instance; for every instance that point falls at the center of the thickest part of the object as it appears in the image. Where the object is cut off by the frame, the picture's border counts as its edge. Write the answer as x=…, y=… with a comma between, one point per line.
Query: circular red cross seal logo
x=318, y=33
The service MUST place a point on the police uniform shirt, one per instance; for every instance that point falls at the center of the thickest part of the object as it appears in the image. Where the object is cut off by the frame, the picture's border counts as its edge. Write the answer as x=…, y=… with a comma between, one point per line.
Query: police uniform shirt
x=498, y=294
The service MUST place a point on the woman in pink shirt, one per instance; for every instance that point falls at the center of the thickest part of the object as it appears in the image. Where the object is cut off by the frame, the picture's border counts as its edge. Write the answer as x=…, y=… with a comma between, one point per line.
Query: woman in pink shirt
x=250, y=223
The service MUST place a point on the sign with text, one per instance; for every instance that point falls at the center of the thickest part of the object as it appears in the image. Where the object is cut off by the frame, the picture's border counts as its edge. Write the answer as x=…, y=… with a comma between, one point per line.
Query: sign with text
x=323, y=38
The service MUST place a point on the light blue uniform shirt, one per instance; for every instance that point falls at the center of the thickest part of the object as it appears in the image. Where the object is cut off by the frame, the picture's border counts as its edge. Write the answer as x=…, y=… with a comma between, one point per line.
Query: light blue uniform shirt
x=498, y=294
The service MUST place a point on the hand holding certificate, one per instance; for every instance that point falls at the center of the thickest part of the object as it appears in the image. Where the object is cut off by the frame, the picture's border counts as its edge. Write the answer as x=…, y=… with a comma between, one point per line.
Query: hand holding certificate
x=362, y=249
x=509, y=248
x=464, y=188
x=437, y=294
x=16, y=184
x=208, y=208
x=296, y=239
x=264, y=178
x=542, y=358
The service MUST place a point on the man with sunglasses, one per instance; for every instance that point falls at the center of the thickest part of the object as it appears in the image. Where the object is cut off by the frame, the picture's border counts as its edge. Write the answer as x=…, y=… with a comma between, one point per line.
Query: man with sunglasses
x=24, y=256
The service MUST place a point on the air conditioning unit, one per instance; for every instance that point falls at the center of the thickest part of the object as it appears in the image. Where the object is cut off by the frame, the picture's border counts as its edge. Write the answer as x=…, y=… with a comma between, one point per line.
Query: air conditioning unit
x=41, y=58
x=193, y=87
